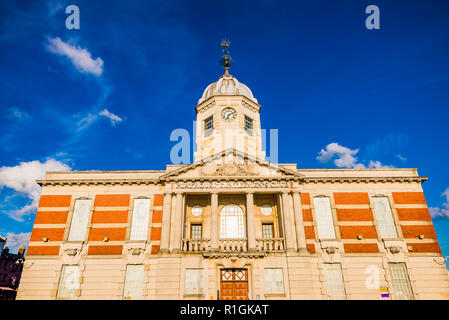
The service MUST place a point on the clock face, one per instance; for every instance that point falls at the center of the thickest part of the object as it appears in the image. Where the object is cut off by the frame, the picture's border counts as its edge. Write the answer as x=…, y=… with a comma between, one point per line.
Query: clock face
x=228, y=114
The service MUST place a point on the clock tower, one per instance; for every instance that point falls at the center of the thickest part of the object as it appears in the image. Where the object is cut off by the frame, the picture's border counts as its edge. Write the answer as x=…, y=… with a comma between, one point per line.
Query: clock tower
x=228, y=116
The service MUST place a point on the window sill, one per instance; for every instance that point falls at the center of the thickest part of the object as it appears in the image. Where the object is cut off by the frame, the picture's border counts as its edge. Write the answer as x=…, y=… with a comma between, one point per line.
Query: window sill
x=194, y=295
x=270, y=295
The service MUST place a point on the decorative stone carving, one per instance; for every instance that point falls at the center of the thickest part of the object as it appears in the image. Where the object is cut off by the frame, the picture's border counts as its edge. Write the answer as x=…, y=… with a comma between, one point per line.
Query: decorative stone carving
x=250, y=107
x=207, y=107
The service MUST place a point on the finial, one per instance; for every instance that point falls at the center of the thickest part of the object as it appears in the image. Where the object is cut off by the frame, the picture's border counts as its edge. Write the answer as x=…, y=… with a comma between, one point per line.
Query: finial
x=225, y=60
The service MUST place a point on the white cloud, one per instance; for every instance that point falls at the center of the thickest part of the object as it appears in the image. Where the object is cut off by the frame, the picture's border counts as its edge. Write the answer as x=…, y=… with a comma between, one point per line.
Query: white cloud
x=377, y=164
x=114, y=118
x=403, y=159
x=22, y=179
x=80, y=58
x=441, y=212
x=344, y=157
x=16, y=240
x=16, y=113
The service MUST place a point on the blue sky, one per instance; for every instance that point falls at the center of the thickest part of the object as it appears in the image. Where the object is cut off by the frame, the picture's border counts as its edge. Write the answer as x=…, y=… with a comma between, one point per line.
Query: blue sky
x=107, y=96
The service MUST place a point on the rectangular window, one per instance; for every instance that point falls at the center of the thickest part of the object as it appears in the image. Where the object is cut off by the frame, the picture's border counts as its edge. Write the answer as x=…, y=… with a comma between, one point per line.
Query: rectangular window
x=248, y=125
x=133, y=282
x=208, y=126
x=194, y=281
x=80, y=219
x=401, y=282
x=384, y=218
x=68, y=282
x=139, y=225
x=335, y=287
x=196, y=231
x=324, y=220
x=267, y=230
x=274, y=281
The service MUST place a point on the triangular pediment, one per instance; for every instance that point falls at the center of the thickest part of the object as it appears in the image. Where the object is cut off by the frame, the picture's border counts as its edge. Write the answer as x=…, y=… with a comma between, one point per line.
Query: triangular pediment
x=231, y=163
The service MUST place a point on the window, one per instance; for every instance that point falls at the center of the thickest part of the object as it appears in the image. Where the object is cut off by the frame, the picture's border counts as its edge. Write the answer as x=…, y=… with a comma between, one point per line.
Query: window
x=208, y=126
x=232, y=222
x=274, y=281
x=335, y=288
x=325, y=222
x=401, y=282
x=139, y=226
x=68, y=282
x=133, y=282
x=194, y=281
x=384, y=218
x=80, y=218
x=248, y=125
x=196, y=231
x=267, y=230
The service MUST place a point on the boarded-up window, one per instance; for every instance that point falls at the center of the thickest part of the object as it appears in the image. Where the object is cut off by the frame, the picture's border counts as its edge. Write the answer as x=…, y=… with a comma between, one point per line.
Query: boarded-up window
x=68, y=282
x=274, y=281
x=401, y=282
x=335, y=287
x=384, y=218
x=80, y=218
x=139, y=224
x=194, y=281
x=325, y=222
x=133, y=282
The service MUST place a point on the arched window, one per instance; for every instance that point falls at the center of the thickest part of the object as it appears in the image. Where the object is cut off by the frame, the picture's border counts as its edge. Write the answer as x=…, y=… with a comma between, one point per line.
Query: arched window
x=232, y=223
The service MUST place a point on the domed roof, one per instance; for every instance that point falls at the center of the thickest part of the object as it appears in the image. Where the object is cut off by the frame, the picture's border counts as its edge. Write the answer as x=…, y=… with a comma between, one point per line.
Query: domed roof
x=227, y=85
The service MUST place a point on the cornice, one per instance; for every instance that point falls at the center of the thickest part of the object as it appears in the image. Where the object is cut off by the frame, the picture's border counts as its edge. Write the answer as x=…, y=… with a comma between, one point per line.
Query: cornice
x=81, y=182
x=309, y=180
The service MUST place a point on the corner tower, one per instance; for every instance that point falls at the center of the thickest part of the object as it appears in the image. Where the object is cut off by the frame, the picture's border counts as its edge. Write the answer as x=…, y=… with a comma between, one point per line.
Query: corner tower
x=228, y=116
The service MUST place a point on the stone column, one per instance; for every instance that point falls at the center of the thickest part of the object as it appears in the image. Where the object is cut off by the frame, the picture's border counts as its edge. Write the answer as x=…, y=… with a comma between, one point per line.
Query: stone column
x=214, y=221
x=165, y=231
x=300, y=233
x=177, y=227
x=289, y=222
x=250, y=221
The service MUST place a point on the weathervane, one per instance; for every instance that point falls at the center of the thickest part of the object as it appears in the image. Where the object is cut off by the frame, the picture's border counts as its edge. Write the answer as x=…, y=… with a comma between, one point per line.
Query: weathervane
x=225, y=60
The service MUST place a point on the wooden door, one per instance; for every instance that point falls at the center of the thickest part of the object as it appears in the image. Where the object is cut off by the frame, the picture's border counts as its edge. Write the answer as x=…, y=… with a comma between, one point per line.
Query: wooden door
x=234, y=284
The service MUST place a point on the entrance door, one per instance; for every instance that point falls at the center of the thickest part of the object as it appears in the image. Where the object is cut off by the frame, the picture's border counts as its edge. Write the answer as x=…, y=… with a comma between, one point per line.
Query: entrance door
x=234, y=284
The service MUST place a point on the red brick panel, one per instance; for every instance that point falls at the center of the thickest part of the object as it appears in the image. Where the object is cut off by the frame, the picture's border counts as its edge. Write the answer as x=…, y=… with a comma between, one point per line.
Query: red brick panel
x=311, y=248
x=110, y=217
x=43, y=250
x=424, y=247
x=55, y=201
x=409, y=198
x=112, y=200
x=154, y=249
x=158, y=199
x=351, y=232
x=53, y=234
x=305, y=199
x=307, y=215
x=51, y=217
x=361, y=248
x=114, y=234
x=414, y=214
x=351, y=198
x=155, y=234
x=310, y=232
x=415, y=231
x=157, y=216
x=354, y=215
x=100, y=250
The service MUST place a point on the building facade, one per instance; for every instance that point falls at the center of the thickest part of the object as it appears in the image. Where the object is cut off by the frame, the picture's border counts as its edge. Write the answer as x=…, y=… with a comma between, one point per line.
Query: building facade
x=231, y=225
x=11, y=266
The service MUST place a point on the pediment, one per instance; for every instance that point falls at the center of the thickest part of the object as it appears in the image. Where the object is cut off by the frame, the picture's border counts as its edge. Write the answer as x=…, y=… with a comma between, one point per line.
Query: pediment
x=230, y=163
